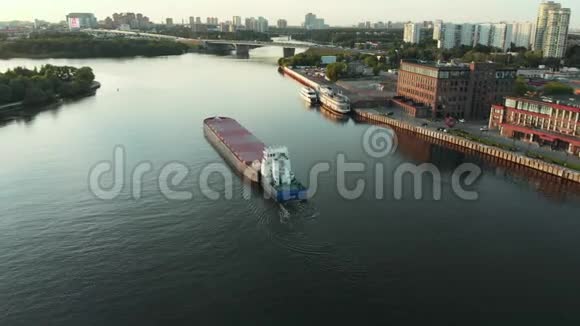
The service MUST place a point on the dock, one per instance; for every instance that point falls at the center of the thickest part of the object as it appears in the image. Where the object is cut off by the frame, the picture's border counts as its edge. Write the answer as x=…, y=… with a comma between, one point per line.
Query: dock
x=363, y=112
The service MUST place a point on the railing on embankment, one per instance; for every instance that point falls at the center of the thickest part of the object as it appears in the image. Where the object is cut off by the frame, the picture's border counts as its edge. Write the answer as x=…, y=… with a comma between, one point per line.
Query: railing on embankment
x=536, y=164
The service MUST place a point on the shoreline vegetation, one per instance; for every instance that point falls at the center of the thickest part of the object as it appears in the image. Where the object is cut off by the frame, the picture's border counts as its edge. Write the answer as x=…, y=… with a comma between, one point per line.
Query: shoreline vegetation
x=22, y=87
x=81, y=45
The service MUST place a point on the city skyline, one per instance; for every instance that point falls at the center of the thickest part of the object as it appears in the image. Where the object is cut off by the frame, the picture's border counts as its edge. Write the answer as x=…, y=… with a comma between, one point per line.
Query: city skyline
x=347, y=14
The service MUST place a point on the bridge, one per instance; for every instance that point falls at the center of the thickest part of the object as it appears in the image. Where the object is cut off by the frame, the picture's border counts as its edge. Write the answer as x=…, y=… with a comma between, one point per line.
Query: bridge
x=241, y=47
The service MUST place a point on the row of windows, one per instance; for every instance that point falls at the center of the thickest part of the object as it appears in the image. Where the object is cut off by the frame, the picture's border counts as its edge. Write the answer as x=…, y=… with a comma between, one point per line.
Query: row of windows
x=565, y=127
x=416, y=94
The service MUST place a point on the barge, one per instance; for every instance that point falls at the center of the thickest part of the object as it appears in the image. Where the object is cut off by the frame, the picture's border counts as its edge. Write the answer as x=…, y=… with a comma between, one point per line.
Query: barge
x=268, y=166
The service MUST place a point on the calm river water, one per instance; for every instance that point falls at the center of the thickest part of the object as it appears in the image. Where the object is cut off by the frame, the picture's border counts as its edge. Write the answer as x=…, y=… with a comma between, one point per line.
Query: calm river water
x=67, y=258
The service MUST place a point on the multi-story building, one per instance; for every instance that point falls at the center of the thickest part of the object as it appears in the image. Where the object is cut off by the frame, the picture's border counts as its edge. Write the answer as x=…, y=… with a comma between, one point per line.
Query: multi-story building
x=450, y=36
x=535, y=120
x=81, y=20
x=542, y=22
x=467, y=35
x=237, y=21
x=251, y=24
x=212, y=21
x=282, y=23
x=169, y=21
x=490, y=83
x=313, y=22
x=556, y=34
x=262, y=25
x=437, y=29
x=460, y=90
x=501, y=36
x=412, y=33
x=524, y=34
x=483, y=34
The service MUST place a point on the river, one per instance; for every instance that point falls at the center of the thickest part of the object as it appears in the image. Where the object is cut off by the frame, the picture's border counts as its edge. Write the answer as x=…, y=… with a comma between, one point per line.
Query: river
x=69, y=258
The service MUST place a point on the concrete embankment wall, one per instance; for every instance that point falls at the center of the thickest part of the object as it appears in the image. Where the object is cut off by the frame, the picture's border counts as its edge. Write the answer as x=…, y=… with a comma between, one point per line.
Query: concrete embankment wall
x=536, y=164
x=299, y=78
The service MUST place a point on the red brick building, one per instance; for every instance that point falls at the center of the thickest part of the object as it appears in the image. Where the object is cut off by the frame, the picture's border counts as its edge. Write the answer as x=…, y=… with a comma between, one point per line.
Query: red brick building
x=462, y=90
x=534, y=120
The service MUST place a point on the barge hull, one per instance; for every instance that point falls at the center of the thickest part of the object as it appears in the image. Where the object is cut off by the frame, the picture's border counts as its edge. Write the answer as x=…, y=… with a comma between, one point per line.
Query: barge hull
x=242, y=167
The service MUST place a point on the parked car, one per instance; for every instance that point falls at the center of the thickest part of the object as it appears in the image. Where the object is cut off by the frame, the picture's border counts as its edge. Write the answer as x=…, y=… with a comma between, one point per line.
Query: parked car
x=440, y=129
x=462, y=120
x=390, y=113
x=484, y=128
x=425, y=124
x=445, y=130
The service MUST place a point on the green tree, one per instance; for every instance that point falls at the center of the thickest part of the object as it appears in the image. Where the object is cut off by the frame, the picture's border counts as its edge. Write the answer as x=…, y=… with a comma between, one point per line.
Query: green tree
x=335, y=70
x=371, y=61
x=521, y=87
x=34, y=96
x=557, y=88
x=5, y=93
x=18, y=86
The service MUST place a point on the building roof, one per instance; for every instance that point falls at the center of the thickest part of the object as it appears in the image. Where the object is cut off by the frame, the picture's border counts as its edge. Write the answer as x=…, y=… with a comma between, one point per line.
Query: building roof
x=567, y=102
x=436, y=65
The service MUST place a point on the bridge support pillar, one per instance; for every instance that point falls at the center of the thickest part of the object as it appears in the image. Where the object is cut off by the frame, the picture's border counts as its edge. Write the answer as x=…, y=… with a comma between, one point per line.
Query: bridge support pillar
x=242, y=50
x=289, y=52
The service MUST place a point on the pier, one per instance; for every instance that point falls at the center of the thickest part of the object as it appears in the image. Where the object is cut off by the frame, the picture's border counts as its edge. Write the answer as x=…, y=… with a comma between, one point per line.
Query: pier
x=468, y=145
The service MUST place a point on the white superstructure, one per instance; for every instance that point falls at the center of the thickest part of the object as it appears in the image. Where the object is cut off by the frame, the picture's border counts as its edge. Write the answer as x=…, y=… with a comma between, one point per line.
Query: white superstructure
x=276, y=168
x=309, y=95
x=336, y=102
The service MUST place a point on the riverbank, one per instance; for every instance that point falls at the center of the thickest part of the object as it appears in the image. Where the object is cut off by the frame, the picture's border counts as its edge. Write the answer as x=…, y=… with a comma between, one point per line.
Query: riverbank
x=375, y=116
x=15, y=106
x=78, y=45
x=512, y=157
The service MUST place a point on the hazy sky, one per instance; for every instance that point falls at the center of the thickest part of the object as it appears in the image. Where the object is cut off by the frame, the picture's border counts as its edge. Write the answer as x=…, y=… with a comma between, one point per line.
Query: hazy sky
x=335, y=12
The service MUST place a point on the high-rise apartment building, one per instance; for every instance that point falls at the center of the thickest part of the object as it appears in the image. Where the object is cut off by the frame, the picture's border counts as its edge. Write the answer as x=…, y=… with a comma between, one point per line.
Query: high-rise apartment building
x=483, y=34
x=212, y=21
x=524, y=34
x=251, y=24
x=501, y=36
x=437, y=29
x=262, y=25
x=282, y=23
x=313, y=22
x=450, y=36
x=542, y=22
x=412, y=33
x=556, y=34
x=467, y=35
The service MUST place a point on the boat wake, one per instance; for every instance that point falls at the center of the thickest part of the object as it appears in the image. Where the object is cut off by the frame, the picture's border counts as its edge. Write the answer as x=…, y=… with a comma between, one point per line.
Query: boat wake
x=286, y=226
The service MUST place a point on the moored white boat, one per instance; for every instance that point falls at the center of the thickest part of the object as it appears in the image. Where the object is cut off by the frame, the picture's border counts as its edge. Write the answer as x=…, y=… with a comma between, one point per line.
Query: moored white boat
x=309, y=95
x=334, y=101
